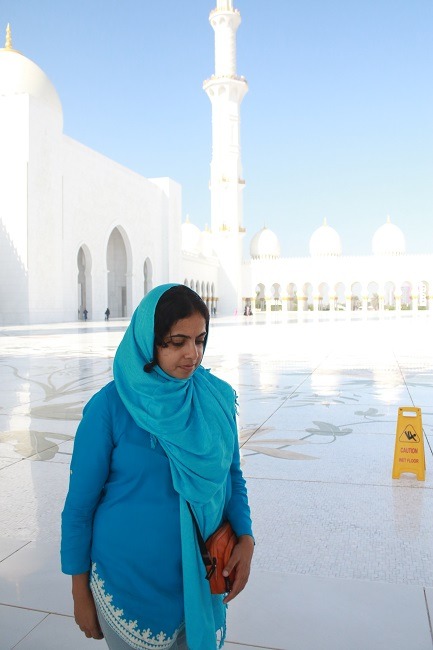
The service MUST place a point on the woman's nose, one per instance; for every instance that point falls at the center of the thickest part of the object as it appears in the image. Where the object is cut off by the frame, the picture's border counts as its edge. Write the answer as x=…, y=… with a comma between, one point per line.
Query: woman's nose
x=192, y=351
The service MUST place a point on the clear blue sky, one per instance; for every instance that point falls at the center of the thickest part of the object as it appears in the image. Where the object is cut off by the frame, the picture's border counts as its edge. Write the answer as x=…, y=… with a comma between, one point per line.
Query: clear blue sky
x=337, y=123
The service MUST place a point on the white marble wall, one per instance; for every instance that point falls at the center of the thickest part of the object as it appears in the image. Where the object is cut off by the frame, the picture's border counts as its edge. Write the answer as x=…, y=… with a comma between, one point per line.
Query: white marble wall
x=57, y=196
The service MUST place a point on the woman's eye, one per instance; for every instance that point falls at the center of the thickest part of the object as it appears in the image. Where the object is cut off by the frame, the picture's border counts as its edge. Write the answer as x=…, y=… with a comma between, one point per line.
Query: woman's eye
x=179, y=341
x=177, y=344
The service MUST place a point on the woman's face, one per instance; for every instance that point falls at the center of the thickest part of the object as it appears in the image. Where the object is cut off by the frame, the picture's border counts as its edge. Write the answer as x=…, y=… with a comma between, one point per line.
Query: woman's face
x=185, y=345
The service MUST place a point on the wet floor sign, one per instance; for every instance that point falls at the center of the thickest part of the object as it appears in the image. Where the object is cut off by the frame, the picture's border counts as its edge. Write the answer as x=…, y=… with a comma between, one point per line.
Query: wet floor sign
x=409, y=443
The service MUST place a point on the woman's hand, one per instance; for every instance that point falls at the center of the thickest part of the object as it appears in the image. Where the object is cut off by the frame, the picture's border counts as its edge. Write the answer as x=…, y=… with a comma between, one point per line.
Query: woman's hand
x=240, y=560
x=84, y=607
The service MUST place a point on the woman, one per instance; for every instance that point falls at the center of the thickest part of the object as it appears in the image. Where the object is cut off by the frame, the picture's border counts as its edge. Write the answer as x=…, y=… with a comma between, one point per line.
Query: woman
x=162, y=434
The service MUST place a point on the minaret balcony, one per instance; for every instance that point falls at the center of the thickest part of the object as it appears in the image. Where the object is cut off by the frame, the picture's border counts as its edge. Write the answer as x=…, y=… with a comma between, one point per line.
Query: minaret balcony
x=224, y=77
x=235, y=86
x=219, y=10
x=226, y=179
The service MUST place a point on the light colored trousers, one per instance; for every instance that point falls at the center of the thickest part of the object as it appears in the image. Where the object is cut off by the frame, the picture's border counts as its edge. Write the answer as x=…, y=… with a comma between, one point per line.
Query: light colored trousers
x=114, y=642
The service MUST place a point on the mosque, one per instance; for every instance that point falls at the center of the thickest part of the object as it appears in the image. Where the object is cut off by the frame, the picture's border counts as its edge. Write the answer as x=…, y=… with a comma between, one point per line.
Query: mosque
x=79, y=232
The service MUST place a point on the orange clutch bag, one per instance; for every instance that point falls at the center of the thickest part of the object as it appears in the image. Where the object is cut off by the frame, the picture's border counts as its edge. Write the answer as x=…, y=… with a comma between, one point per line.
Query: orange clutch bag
x=220, y=546
x=215, y=553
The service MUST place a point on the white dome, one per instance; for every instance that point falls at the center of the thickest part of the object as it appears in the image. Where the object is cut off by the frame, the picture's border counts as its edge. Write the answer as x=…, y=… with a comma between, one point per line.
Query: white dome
x=265, y=245
x=388, y=240
x=19, y=75
x=191, y=237
x=325, y=242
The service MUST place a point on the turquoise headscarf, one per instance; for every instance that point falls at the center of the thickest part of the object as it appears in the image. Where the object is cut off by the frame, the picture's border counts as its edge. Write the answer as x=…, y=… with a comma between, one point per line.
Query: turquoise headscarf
x=193, y=420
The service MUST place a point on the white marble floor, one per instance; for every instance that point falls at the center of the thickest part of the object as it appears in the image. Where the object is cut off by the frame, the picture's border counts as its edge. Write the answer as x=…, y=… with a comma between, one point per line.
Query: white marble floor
x=344, y=553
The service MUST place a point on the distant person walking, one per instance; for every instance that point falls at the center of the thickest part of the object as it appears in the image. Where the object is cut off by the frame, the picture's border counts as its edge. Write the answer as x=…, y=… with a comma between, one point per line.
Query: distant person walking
x=85, y=312
x=107, y=314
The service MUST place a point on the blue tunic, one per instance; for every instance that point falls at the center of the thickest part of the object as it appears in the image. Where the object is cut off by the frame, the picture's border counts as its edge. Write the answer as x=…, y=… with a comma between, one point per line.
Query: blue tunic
x=121, y=522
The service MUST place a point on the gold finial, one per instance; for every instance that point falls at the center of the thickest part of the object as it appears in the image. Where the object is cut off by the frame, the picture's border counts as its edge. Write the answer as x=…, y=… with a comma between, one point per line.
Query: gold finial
x=8, y=41
x=325, y=221
x=388, y=219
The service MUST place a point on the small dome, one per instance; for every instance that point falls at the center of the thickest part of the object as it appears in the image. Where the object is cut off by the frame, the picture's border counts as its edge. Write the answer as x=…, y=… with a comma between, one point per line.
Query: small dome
x=19, y=75
x=191, y=237
x=388, y=240
x=265, y=245
x=325, y=242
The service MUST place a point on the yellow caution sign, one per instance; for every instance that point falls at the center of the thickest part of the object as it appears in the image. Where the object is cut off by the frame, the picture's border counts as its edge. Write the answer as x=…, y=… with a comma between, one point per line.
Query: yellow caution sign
x=409, y=443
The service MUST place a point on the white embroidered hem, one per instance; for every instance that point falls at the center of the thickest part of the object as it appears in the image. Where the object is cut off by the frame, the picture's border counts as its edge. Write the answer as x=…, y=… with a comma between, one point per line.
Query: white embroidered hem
x=127, y=630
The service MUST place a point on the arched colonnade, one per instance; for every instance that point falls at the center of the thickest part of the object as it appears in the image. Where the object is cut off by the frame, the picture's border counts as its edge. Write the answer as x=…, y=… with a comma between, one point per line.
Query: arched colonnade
x=377, y=296
x=206, y=291
x=119, y=277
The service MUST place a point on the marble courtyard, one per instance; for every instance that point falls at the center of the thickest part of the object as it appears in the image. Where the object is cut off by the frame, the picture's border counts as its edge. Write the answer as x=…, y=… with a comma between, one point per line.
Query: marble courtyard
x=344, y=553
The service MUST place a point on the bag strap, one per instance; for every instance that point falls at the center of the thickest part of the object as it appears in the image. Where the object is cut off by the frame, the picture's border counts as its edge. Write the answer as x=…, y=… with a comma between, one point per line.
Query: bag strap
x=208, y=561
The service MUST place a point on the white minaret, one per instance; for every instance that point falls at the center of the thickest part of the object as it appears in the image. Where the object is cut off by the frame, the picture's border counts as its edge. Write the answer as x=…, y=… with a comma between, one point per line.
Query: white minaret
x=226, y=91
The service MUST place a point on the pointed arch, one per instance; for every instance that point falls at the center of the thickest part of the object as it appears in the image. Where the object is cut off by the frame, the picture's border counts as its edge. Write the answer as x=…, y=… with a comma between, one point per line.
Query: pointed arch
x=323, y=304
x=119, y=291
x=389, y=295
x=84, y=280
x=147, y=276
x=356, y=296
x=260, y=303
x=340, y=296
x=292, y=297
x=276, y=296
x=307, y=291
x=374, y=300
x=406, y=295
